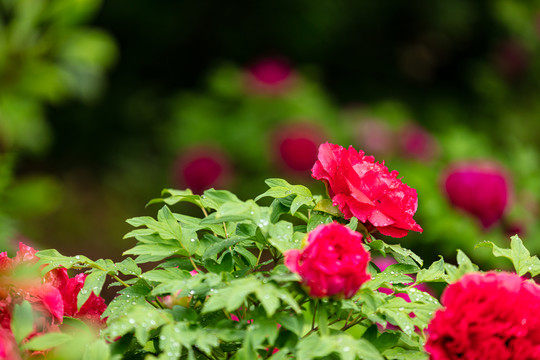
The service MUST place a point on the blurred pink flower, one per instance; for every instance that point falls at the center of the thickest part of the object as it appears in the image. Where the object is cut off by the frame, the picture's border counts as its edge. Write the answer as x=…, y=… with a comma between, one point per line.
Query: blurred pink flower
x=511, y=59
x=375, y=137
x=333, y=262
x=271, y=75
x=294, y=146
x=201, y=168
x=417, y=143
x=480, y=188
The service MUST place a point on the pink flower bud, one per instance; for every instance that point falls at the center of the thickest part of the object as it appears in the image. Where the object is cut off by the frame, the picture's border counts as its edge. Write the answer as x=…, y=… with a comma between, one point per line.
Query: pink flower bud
x=333, y=263
x=482, y=189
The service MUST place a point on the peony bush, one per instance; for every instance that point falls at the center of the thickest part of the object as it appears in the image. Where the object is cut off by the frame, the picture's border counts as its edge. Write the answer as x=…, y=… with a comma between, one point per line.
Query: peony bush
x=286, y=275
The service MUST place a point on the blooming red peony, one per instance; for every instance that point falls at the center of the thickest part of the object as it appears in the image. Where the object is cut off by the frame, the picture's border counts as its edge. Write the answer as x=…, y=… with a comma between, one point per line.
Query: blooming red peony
x=363, y=188
x=492, y=316
x=481, y=189
x=333, y=262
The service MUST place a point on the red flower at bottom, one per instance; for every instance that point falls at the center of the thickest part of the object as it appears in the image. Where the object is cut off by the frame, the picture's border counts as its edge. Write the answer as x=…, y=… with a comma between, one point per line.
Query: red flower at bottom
x=493, y=316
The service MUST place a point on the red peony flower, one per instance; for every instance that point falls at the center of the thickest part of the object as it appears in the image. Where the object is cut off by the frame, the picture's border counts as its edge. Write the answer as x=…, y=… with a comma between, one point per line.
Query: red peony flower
x=481, y=189
x=296, y=145
x=52, y=297
x=493, y=316
x=8, y=346
x=69, y=288
x=200, y=169
x=365, y=189
x=333, y=263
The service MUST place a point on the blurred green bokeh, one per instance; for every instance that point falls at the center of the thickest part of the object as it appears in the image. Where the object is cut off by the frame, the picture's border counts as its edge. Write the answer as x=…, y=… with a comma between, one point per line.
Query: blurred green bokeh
x=100, y=100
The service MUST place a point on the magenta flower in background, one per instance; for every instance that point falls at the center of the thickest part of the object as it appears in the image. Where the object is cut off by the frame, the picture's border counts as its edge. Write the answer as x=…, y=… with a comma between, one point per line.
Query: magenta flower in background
x=417, y=143
x=333, y=262
x=511, y=59
x=492, y=316
x=376, y=137
x=480, y=188
x=271, y=75
x=295, y=146
x=363, y=188
x=201, y=168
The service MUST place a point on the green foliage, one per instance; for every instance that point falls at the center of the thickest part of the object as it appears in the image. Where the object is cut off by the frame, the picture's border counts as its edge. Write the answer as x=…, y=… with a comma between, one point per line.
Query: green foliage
x=47, y=56
x=242, y=302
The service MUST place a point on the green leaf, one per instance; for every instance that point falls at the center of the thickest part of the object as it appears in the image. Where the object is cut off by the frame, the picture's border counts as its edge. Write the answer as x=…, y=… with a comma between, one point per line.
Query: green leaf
x=166, y=275
x=326, y=206
x=281, y=236
x=220, y=244
x=248, y=255
x=393, y=274
x=398, y=353
x=215, y=199
x=292, y=322
x=224, y=264
x=402, y=255
x=141, y=318
x=231, y=297
x=46, y=341
x=93, y=284
x=22, y=321
x=128, y=266
x=343, y=344
x=434, y=273
x=517, y=254
x=153, y=252
x=353, y=224
x=53, y=259
x=97, y=350
x=280, y=188
x=176, y=196
x=317, y=219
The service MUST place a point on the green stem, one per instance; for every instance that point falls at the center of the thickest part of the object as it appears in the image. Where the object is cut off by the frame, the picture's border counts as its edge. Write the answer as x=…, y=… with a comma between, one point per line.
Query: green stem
x=301, y=216
x=314, y=314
